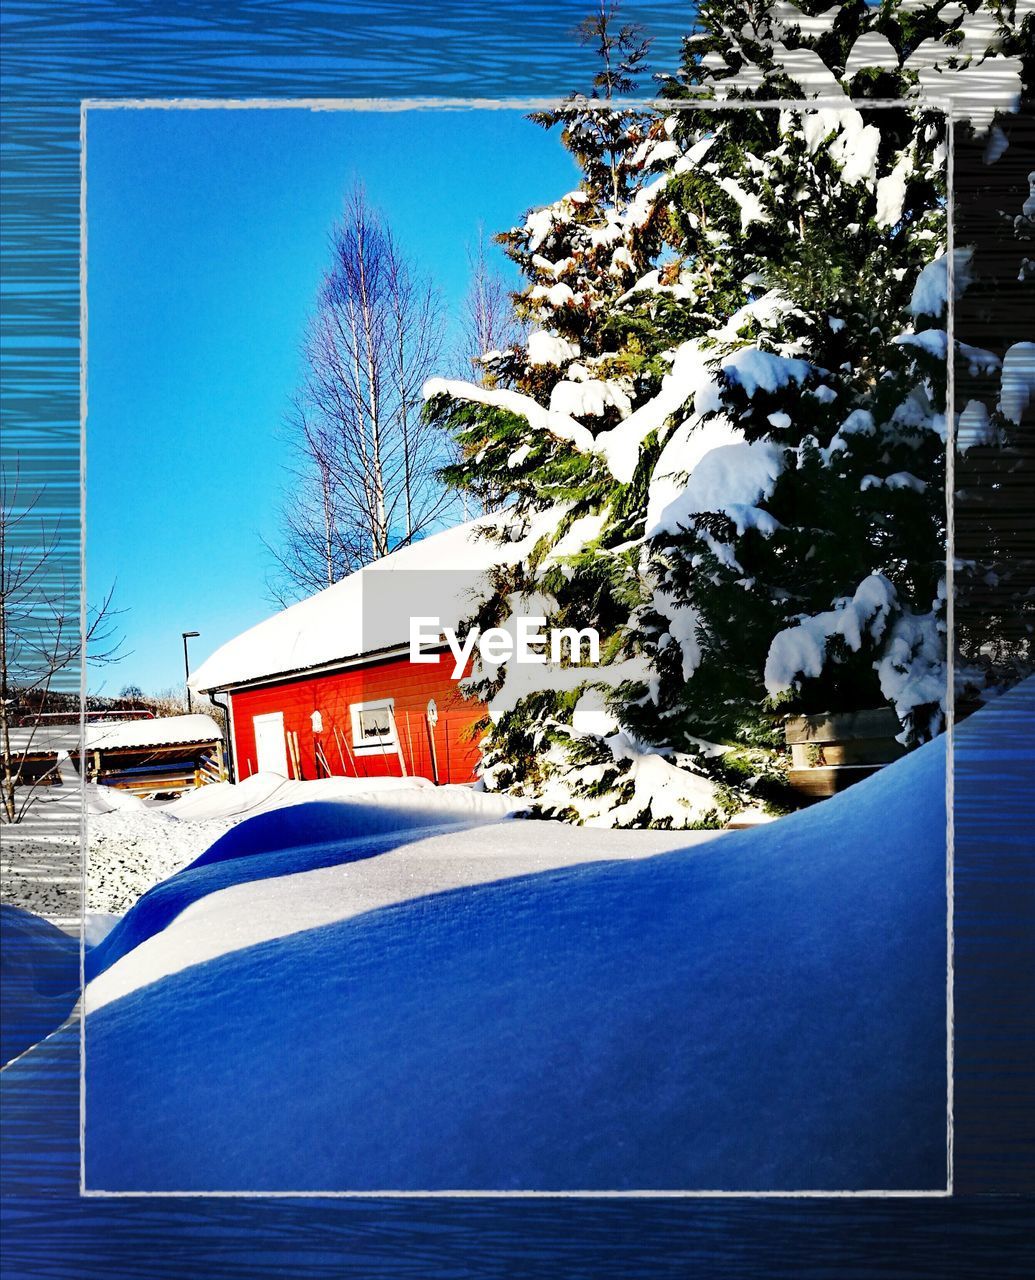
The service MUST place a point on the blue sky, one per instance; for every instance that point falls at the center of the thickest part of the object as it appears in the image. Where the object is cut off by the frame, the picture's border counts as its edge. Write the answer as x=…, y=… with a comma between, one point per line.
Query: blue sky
x=206, y=239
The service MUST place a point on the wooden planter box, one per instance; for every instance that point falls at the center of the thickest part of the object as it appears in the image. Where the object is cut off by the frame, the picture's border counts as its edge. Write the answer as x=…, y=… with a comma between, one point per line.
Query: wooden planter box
x=830, y=752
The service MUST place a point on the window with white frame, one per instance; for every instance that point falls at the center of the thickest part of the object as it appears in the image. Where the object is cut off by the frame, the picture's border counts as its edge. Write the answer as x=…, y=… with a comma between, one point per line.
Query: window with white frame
x=373, y=726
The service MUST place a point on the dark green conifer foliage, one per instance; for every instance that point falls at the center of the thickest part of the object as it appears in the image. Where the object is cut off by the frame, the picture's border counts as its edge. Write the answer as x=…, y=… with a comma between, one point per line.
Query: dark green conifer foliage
x=775, y=253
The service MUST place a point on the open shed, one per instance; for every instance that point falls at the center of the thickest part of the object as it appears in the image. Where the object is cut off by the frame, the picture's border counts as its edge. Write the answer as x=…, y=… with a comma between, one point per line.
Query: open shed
x=170, y=753
x=145, y=755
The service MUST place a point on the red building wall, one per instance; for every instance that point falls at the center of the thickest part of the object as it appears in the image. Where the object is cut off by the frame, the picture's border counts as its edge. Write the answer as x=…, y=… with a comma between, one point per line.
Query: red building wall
x=332, y=693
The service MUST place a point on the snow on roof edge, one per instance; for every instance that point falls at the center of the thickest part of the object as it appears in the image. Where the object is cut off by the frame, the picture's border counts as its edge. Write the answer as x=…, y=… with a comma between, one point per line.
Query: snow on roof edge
x=109, y=735
x=327, y=627
x=162, y=731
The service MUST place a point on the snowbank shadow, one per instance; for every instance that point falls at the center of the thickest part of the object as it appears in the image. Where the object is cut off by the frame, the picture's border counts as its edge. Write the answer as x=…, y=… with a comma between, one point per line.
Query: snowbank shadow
x=285, y=841
x=39, y=970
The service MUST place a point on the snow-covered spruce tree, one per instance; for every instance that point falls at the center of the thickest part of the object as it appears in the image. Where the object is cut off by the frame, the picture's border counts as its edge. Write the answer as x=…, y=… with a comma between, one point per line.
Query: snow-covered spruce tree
x=723, y=445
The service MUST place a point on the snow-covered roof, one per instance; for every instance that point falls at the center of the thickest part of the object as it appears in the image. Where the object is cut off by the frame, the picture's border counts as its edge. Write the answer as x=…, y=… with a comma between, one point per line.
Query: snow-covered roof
x=110, y=735
x=44, y=739
x=164, y=731
x=360, y=615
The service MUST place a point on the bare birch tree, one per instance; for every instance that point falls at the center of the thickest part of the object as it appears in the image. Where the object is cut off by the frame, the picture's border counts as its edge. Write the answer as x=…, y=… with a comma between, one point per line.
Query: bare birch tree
x=489, y=333
x=366, y=478
x=319, y=543
x=43, y=637
x=489, y=324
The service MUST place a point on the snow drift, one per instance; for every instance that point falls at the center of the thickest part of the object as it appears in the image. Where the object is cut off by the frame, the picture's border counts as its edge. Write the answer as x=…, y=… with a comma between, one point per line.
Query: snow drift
x=765, y=1012
x=39, y=970
x=297, y=838
x=392, y=868
x=132, y=849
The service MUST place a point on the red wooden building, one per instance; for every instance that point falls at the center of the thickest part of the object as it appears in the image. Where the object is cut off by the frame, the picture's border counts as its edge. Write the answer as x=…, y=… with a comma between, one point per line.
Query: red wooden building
x=326, y=686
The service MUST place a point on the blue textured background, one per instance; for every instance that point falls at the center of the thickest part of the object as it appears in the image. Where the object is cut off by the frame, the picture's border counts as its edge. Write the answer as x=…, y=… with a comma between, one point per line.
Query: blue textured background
x=55, y=54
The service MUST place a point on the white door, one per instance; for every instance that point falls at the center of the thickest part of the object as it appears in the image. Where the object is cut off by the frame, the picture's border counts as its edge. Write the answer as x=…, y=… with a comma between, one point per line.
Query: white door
x=270, y=747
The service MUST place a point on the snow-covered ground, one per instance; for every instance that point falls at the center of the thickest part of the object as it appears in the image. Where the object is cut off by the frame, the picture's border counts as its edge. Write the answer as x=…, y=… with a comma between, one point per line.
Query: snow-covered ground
x=135, y=845
x=305, y=1010
x=402, y=990
x=386, y=872
x=40, y=869
x=129, y=851
x=39, y=964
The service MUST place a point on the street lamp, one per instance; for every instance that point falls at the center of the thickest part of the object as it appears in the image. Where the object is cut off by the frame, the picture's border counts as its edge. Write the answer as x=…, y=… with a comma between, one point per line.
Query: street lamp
x=187, y=635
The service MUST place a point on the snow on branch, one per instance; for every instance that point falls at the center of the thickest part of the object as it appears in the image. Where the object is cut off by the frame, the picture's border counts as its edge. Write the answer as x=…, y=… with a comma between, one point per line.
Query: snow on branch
x=801, y=650
x=689, y=378
x=558, y=425
x=731, y=478
x=932, y=284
